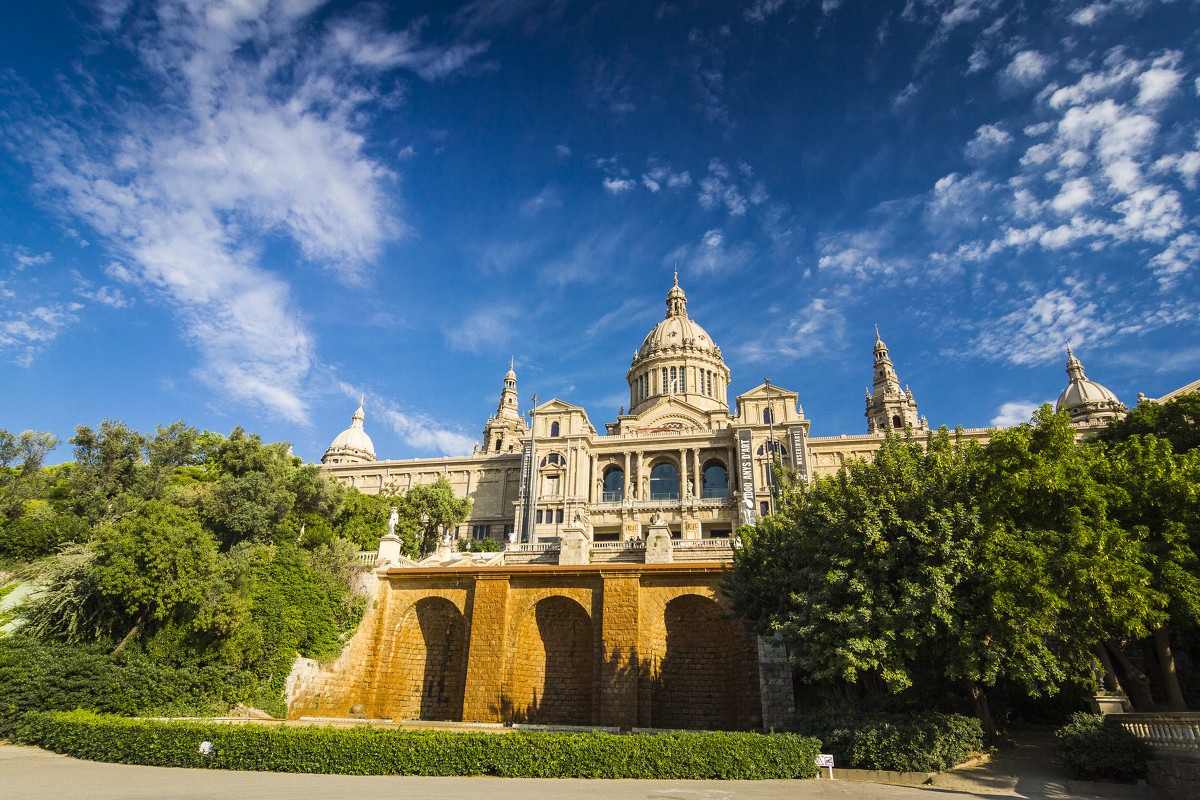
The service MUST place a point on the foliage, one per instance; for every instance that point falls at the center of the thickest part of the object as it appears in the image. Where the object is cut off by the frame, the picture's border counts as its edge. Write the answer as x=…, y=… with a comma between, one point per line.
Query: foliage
x=1095, y=747
x=927, y=742
x=23, y=482
x=364, y=520
x=47, y=677
x=39, y=532
x=436, y=507
x=368, y=751
x=488, y=545
x=70, y=608
x=1177, y=421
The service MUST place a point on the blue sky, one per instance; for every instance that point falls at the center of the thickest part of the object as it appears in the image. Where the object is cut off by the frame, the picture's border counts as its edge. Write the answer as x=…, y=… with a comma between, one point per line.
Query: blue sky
x=254, y=211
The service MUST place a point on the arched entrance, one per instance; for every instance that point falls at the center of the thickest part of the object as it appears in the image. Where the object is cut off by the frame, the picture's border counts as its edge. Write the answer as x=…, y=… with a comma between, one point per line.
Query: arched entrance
x=550, y=678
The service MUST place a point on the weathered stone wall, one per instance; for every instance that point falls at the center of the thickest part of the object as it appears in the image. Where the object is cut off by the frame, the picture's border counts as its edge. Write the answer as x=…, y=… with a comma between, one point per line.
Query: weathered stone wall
x=626, y=645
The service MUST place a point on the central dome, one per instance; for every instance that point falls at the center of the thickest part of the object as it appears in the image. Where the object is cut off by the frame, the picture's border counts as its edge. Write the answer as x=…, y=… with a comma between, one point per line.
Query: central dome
x=677, y=357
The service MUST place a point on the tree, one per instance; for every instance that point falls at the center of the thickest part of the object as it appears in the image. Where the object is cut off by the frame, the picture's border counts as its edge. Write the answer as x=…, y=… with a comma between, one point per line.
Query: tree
x=434, y=507
x=106, y=476
x=22, y=482
x=1177, y=421
x=154, y=562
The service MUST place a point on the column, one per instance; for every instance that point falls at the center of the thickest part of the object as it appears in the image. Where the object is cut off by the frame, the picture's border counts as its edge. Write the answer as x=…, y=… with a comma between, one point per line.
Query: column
x=625, y=497
x=683, y=475
x=485, y=653
x=615, y=701
x=697, y=477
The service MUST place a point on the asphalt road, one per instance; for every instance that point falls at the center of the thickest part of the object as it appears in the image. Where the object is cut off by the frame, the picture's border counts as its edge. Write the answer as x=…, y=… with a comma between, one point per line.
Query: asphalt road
x=27, y=773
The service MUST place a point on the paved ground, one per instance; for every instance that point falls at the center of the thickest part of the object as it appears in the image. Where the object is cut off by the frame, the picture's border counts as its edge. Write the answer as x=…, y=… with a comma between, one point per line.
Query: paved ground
x=28, y=773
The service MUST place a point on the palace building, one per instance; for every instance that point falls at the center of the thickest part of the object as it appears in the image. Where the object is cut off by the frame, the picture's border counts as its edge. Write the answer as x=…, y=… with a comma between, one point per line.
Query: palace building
x=682, y=453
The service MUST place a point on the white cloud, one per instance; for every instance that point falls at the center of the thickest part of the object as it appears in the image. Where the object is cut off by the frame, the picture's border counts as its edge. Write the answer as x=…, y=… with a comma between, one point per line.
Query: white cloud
x=650, y=183
x=188, y=192
x=415, y=429
x=25, y=332
x=1036, y=330
x=618, y=185
x=989, y=141
x=484, y=330
x=819, y=327
x=758, y=12
x=562, y=150
x=1027, y=68
x=1015, y=412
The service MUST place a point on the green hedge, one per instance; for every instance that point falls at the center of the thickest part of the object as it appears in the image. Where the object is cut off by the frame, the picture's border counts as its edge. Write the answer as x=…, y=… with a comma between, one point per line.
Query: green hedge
x=900, y=742
x=373, y=751
x=1097, y=748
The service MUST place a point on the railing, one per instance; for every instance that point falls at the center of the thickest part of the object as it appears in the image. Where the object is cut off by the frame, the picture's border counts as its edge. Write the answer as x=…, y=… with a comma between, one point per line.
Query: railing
x=713, y=492
x=631, y=544
x=664, y=496
x=716, y=501
x=368, y=557
x=534, y=548
x=612, y=497
x=1167, y=734
x=700, y=544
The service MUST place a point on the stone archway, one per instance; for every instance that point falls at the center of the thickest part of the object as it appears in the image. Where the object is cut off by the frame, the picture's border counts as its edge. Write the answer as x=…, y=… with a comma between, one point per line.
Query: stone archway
x=699, y=664
x=429, y=662
x=550, y=674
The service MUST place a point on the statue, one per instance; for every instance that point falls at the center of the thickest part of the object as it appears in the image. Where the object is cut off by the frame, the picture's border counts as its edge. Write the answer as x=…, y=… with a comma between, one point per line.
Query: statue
x=657, y=519
x=691, y=487
x=392, y=520
x=747, y=511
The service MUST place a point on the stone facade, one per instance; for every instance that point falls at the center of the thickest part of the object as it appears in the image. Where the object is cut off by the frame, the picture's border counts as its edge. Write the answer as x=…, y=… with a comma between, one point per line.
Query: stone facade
x=681, y=453
x=623, y=645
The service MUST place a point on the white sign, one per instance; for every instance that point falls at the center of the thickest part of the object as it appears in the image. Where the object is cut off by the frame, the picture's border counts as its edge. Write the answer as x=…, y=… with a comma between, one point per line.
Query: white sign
x=824, y=759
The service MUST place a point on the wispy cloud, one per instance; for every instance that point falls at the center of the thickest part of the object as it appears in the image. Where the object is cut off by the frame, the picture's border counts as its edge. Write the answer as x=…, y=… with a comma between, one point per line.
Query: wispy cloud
x=416, y=430
x=819, y=327
x=23, y=333
x=1015, y=412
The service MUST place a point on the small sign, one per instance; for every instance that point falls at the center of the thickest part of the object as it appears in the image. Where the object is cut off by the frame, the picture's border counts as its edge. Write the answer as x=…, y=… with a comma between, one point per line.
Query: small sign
x=824, y=759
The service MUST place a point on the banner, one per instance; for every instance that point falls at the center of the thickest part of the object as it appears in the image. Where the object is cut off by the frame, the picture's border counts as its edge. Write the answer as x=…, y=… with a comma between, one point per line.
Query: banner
x=800, y=452
x=747, y=513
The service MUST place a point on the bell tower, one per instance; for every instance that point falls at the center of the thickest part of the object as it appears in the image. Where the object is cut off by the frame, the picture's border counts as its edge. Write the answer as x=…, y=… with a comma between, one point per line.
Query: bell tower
x=889, y=406
x=505, y=428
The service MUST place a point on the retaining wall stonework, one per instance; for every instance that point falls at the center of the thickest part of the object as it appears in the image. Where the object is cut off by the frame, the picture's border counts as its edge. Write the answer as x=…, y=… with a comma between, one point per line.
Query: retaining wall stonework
x=622, y=645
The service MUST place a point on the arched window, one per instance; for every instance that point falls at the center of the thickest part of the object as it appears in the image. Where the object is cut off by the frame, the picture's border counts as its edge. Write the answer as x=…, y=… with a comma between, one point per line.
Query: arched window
x=716, y=480
x=710, y=391
x=776, y=448
x=674, y=381
x=768, y=417
x=683, y=380
x=553, y=430
x=663, y=390
x=664, y=482
x=896, y=423
x=555, y=459
x=614, y=485
x=498, y=440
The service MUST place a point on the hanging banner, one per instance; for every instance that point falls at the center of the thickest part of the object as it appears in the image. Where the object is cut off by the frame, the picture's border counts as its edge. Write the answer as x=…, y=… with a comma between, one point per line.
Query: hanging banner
x=746, y=514
x=526, y=501
x=799, y=441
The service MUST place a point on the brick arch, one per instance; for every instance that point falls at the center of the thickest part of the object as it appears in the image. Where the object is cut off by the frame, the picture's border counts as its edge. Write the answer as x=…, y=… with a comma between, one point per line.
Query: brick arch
x=700, y=665
x=549, y=678
x=429, y=662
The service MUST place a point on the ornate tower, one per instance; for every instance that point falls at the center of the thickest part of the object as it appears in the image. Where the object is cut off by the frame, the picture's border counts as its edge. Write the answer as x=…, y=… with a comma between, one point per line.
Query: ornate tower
x=505, y=428
x=352, y=446
x=888, y=406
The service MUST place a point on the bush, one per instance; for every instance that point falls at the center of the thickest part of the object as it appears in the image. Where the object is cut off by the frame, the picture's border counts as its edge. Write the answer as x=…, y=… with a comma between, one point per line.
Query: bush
x=372, y=751
x=899, y=742
x=1094, y=747
x=35, y=676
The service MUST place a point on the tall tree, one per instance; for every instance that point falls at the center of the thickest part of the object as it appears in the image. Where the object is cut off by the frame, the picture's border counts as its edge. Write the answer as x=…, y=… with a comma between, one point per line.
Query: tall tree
x=1177, y=421
x=435, y=508
x=21, y=458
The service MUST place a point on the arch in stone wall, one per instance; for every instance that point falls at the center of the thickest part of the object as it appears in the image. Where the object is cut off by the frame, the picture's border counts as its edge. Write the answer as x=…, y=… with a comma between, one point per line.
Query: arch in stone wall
x=549, y=678
x=429, y=662
x=700, y=662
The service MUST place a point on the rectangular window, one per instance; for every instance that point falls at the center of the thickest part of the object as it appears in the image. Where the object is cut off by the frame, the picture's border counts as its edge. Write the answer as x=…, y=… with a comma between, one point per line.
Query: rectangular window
x=508, y=529
x=683, y=380
x=539, y=517
x=765, y=508
x=558, y=517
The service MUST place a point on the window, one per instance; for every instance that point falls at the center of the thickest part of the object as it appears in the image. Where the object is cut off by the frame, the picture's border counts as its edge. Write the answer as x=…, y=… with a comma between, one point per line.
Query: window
x=614, y=486
x=710, y=391
x=716, y=480
x=558, y=516
x=550, y=486
x=508, y=529
x=767, y=448
x=768, y=417
x=553, y=430
x=683, y=379
x=664, y=381
x=481, y=532
x=539, y=517
x=554, y=459
x=764, y=508
x=664, y=482
x=674, y=381
x=896, y=423
x=498, y=440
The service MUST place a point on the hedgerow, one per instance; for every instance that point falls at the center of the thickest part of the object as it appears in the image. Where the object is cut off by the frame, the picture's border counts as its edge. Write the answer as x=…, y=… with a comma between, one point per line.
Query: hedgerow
x=374, y=751
x=1095, y=747
x=900, y=742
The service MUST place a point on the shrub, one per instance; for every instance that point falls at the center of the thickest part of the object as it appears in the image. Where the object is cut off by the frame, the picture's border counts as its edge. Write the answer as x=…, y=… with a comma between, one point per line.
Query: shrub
x=372, y=751
x=900, y=742
x=1093, y=747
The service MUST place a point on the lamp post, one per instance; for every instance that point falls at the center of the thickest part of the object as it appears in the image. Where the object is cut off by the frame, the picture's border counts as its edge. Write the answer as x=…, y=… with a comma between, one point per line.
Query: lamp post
x=424, y=530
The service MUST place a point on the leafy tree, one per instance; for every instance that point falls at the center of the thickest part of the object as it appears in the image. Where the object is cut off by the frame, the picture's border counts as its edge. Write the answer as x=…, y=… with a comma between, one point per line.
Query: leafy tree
x=154, y=562
x=434, y=508
x=24, y=481
x=106, y=477
x=1177, y=421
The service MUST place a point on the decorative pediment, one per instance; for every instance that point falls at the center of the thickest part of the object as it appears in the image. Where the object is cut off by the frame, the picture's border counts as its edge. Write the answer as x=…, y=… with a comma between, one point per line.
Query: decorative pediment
x=760, y=393
x=668, y=414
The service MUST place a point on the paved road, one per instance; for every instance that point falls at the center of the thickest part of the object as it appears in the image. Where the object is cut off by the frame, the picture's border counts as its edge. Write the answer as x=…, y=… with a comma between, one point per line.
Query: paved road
x=27, y=773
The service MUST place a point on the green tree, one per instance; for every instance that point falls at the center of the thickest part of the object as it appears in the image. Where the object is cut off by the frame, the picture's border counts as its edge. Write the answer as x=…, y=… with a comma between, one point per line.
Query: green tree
x=155, y=561
x=24, y=481
x=434, y=508
x=1177, y=421
x=106, y=478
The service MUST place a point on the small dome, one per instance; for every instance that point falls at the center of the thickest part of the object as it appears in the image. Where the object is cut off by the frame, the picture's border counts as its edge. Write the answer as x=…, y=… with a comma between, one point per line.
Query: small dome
x=352, y=445
x=1087, y=401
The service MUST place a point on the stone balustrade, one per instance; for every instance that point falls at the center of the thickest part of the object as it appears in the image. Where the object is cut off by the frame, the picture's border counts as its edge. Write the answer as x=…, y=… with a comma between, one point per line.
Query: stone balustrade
x=368, y=556
x=1168, y=734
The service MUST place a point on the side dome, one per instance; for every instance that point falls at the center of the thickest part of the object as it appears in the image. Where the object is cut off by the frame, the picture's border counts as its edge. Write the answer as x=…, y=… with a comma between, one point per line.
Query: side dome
x=1088, y=402
x=353, y=445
